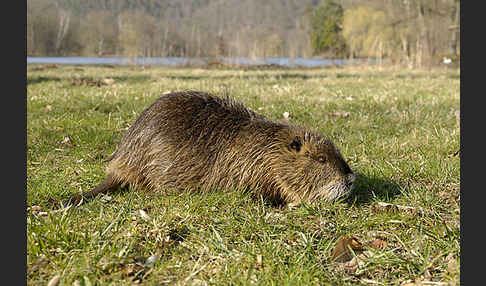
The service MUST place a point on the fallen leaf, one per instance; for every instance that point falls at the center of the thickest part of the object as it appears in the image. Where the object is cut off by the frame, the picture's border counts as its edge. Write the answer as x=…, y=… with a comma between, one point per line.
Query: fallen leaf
x=381, y=206
x=352, y=265
x=35, y=208
x=378, y=244
x=341, y=252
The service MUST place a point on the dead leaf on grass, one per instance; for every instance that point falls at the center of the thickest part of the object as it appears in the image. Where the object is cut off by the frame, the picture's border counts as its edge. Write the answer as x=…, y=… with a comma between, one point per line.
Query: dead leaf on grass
x=342, y=252
x=387, y=207
x=378, y=244
x=352, y=266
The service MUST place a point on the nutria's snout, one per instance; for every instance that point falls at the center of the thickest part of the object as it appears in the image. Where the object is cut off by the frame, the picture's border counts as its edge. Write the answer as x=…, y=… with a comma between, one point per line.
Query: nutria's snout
x=341, y=188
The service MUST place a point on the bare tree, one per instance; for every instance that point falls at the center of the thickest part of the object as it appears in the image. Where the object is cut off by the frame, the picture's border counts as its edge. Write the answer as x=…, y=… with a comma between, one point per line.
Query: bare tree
x=454, y=28
x=64, y=16
x=102, y=38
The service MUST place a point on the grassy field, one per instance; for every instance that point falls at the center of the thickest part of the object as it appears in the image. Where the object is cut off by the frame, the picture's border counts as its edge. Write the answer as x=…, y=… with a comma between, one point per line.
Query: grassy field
x=399, y=129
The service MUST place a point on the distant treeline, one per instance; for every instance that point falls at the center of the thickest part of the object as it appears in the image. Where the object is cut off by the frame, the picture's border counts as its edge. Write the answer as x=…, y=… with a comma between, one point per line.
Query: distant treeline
x=413, y=32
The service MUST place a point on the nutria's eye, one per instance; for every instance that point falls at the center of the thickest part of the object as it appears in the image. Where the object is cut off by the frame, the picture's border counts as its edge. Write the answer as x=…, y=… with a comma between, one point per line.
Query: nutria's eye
x=321, y=159
x=296, y=144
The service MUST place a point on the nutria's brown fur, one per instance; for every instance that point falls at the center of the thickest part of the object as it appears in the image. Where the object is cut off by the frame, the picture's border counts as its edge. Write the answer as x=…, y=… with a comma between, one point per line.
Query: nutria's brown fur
x=194, y=140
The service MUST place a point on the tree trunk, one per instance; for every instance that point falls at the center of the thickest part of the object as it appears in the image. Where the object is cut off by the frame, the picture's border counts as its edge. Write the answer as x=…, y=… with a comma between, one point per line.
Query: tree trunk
x=64, y=18
x=424, y=53
x=455, y=30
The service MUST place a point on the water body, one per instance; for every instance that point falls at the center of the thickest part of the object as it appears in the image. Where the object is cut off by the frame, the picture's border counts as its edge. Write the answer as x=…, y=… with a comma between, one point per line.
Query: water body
x=179, y=61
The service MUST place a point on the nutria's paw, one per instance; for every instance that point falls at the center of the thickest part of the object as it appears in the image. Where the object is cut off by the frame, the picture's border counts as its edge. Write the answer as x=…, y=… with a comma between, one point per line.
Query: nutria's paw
x=74, y=201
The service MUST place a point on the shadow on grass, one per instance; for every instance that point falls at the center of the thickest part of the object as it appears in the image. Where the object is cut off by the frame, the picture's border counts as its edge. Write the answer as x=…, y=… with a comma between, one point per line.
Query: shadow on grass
x=246, y=77
x=106, y=81
x=367, y=189
x=39, y=79
x=132, y=78
x=291, y=75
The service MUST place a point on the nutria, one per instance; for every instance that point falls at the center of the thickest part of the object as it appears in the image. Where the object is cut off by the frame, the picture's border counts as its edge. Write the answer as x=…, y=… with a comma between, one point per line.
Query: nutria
x=198, y=141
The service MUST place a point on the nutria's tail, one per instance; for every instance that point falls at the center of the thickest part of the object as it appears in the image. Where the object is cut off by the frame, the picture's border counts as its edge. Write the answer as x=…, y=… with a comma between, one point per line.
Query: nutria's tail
x=108, y=185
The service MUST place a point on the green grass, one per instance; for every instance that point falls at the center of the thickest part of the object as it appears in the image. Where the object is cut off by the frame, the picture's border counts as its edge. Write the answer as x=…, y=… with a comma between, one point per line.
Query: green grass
x=401, y=135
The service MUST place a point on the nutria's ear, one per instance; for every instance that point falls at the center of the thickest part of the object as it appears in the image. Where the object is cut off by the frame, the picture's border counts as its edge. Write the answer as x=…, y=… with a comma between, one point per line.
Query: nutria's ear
x=296, y=144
